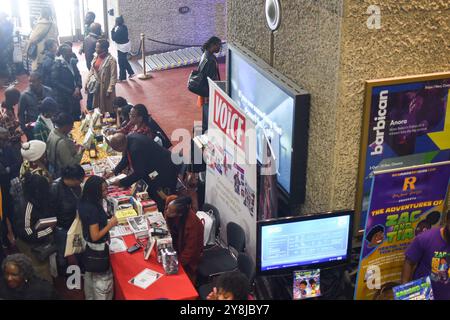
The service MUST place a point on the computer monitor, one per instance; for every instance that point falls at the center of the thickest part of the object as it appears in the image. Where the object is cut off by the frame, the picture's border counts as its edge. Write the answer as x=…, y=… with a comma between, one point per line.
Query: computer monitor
x=295, y=243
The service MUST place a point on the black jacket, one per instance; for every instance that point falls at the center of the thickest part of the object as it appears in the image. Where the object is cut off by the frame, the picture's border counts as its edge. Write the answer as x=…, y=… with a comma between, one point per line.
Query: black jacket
x=209, y=67
x=147, y=156
x=63, y=203
x=157, y=131
x=121, y=35
x=64, y=81
x=25, y=218
x=30, y=103
x=45, y=69
x=34, y=289
x=89, y=48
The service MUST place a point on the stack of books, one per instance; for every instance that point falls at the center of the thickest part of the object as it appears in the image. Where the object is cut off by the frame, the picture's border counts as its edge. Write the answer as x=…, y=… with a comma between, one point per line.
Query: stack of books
x=123, y=215
x=139, y=226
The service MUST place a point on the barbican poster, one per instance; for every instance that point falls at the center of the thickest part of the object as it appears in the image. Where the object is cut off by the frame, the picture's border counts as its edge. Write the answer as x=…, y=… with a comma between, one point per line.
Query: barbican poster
x=406, y=123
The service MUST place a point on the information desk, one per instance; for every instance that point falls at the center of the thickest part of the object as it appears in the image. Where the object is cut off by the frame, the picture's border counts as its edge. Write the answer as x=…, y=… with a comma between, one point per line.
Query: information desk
x=126, y=266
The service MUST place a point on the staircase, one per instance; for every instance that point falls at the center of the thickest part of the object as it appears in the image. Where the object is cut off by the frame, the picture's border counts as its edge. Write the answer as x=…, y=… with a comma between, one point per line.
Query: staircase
x=177, y=58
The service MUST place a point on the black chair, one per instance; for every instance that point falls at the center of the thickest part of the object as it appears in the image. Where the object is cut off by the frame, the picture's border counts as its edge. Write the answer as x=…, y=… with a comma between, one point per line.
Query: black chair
x=245, y=265
x=219, y=260
x=206, y=208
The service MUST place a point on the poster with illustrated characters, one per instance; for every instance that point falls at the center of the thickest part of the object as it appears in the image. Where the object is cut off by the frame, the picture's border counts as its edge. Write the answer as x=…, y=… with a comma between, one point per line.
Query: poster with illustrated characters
x=406, y=123
x=403, y=204
x=231, y=174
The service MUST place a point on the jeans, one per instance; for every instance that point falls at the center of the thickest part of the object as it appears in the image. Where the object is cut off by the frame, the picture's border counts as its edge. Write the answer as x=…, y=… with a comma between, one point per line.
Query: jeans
x=124, y=65
x=205, y=117
x=60, y=240
x=99, y=286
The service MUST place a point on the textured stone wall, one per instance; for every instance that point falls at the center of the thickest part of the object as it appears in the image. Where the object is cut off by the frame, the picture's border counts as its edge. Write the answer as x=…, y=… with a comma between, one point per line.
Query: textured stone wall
x=326, y=47
x=413, y=39
x=161, y=20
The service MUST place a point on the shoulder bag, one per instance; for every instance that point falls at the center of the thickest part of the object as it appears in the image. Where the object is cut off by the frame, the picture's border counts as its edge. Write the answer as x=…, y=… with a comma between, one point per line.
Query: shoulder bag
x=96, y=260
x=198, y=82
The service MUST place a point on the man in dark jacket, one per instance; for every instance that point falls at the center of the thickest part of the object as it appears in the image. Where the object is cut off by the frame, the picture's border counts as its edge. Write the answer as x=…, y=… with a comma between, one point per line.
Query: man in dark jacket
x=64, y=195
x=95, y=32
x=67, y=84
x=148, y=161
x=30, y=101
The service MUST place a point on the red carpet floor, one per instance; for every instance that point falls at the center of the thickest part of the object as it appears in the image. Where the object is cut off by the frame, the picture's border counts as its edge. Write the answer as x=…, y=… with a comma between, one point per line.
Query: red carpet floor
x=166, y=98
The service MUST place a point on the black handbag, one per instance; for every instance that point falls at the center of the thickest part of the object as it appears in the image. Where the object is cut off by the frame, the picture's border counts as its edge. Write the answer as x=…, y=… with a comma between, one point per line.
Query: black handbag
x=43, y=251
x=96, y=261
x=198, y=83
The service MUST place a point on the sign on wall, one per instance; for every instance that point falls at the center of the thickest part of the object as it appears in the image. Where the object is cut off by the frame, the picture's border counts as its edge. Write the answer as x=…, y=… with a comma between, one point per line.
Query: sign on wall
x=403, y=204
x=406, y=123
x=231, y=177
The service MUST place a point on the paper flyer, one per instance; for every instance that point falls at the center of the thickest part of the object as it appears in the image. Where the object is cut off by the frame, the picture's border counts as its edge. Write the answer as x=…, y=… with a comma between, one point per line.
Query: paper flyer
x=146, y=278
x=306, y=284
x=419, y=289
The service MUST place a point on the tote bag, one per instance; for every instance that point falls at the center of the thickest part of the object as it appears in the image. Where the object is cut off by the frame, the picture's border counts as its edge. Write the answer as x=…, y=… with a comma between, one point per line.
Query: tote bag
x=75, y=242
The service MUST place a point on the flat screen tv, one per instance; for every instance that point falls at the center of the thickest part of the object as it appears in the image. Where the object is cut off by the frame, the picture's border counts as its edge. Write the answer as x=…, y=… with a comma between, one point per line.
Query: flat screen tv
x=295, y=243
x=280, y=110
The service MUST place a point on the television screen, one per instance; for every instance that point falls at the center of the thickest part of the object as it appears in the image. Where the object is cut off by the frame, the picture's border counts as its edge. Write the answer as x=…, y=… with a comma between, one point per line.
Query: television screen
x=293, y=243
x=270, y=107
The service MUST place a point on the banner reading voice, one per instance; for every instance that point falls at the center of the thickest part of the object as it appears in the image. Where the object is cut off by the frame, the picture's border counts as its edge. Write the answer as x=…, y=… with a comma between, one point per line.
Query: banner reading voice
x=403, y=204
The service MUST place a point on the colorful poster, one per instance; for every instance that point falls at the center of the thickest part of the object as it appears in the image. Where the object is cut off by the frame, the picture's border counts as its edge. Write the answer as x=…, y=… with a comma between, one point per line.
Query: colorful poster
x=306, y=284
x=230, y=156
x=404, y=203
x=419, y=289
x=406, y=123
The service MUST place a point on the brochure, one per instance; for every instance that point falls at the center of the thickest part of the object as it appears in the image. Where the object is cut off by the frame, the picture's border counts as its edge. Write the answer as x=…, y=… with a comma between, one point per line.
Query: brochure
x=419, y=289
x=146, y=278
x=306, y=284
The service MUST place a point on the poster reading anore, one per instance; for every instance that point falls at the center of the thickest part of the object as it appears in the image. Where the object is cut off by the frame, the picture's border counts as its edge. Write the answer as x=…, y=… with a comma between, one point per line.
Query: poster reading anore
x=231, y=174
x=403, y=204
x=406, y=123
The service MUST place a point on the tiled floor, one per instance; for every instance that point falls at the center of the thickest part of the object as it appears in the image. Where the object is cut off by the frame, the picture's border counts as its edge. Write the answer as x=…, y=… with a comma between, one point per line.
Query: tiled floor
x=168, y=101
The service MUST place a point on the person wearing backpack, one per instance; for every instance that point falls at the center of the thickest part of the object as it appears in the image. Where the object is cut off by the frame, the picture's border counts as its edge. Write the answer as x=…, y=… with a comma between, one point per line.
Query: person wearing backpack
x=44, y=29
x=61, y=150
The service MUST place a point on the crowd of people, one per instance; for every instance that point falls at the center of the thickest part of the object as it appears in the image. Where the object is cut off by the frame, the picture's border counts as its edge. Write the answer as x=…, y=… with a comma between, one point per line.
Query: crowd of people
x=40, y=165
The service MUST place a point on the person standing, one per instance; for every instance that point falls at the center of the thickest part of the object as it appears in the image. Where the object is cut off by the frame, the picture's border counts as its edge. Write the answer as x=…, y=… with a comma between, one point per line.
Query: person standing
x=44, y=123
x=102, y=78
x=8, y=119
x=45, y=69
x=429, y=255
x=30, y=103
x=66, y=83
x=64, y=196
x=34, y=159
x=98, y=285
x=209, y=67
x=61, y=150
x=44, y=29
x=31, y=205
x=88, y=20
x=89, y=44
x=7, y=49
x=119, y=35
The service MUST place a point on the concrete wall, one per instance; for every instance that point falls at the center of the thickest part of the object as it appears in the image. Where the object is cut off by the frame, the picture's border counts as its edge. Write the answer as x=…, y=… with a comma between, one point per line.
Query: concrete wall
x=161, y=20
x=326, y=47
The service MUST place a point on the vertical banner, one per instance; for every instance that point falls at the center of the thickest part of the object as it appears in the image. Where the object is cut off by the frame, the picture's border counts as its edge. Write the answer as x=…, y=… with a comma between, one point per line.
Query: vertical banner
x=403, y=204
x=231, y=174
x=406, y=123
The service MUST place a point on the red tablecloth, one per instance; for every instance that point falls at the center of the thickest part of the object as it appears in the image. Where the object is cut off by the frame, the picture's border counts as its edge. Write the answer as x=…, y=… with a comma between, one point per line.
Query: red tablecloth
x=126, y=266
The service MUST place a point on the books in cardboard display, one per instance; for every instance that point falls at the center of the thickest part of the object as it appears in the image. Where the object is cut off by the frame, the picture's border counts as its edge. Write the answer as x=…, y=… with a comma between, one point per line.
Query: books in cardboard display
x=306, y=284
x=419, y=289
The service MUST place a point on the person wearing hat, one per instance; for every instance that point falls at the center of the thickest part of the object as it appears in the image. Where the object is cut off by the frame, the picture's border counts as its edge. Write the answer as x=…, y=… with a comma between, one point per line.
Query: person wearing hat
x=44, y=124
x=35, y=159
